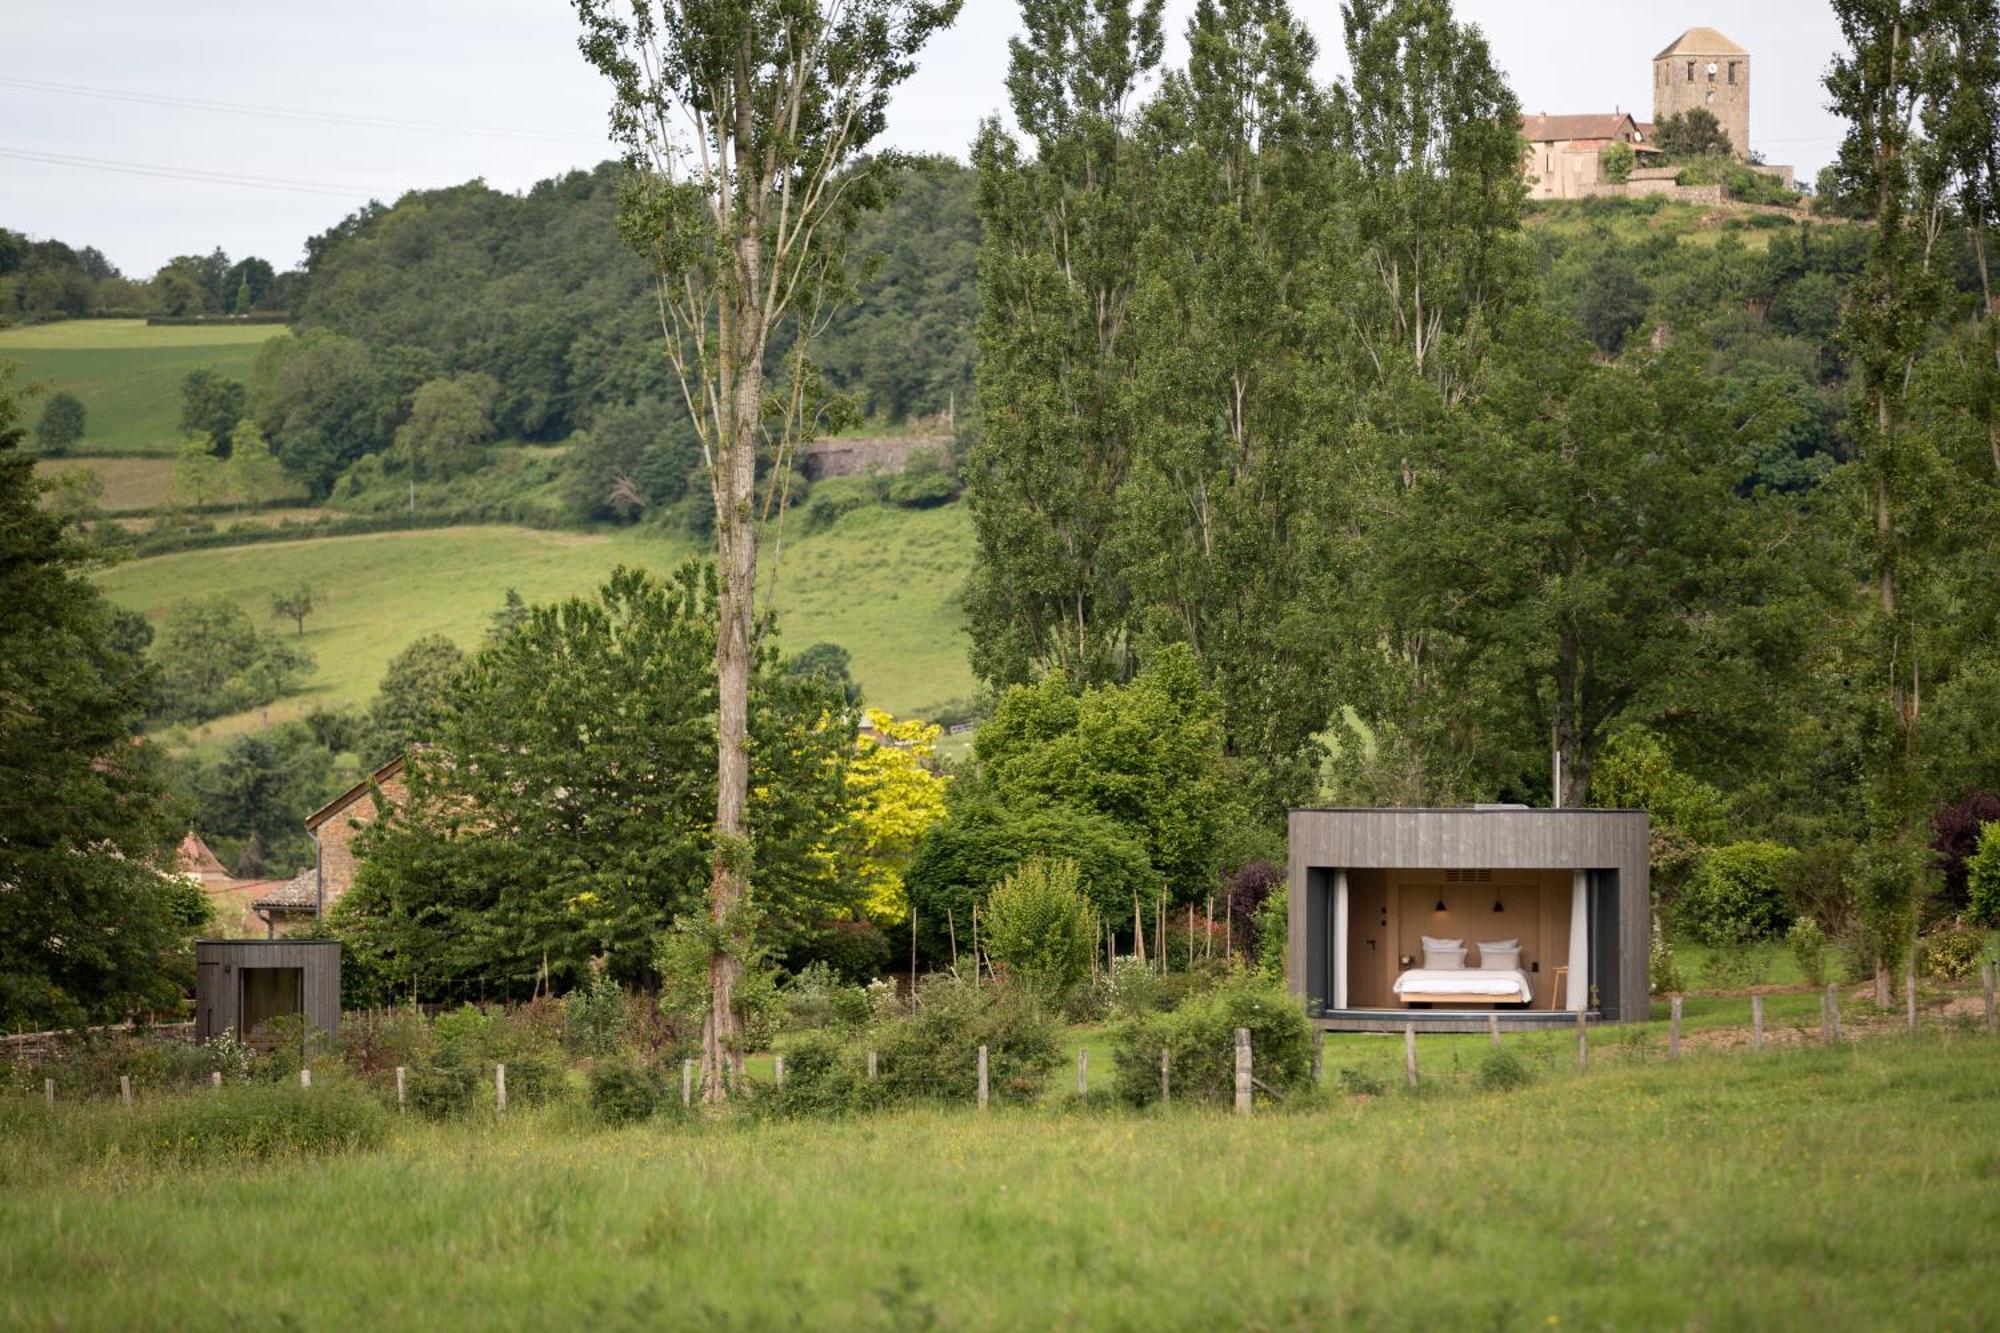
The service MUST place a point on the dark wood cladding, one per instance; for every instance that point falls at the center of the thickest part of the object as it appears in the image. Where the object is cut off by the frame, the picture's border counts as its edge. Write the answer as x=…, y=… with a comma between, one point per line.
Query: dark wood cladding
x=218, y=990
x=1481, y=839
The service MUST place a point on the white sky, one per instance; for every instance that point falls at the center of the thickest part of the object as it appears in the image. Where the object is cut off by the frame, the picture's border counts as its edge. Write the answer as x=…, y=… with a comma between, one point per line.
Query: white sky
x=496, y=89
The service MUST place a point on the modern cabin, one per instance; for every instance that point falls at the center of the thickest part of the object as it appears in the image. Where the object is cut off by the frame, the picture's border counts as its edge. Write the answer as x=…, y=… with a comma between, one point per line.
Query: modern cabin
x=241, y=985
x=1448, y=917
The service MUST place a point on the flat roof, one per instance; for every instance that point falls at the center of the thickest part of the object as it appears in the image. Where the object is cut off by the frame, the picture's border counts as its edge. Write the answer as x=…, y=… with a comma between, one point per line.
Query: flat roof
x=1464, y=810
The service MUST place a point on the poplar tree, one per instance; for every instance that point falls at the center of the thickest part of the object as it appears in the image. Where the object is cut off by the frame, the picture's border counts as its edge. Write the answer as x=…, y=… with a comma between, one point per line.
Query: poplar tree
x=744, y=123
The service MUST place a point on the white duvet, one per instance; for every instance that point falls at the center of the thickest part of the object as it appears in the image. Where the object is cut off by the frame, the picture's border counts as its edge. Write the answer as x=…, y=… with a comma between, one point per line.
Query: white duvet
x=1479, y=982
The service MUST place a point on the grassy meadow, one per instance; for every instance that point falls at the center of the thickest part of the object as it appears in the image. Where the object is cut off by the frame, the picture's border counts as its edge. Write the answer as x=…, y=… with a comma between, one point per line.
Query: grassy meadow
x=128, y=373
x=881, y=582
x=1850, y=1188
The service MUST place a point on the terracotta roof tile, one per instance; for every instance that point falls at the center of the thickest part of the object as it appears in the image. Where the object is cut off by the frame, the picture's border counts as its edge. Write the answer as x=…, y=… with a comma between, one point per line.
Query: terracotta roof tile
x=1553, y=129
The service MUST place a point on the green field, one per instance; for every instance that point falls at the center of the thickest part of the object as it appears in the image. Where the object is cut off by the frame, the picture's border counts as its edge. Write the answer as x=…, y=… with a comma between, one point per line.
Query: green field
x=128, y=373
x=881, y=582
x=1854, y=1188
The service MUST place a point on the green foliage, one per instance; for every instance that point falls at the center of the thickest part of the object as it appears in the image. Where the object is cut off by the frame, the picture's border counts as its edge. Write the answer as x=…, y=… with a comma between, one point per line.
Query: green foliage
x=1041, y=927
x=1200, y=1039
x=624, y=1091
x=1636, y=771
x=932, y=1053
x=1737, y=894
x=1951, y=952
x=1693, y=133
x=1738, y=180
x=1273, y=922
x=1617, y=160
x=251, y=799
x=1663, y=973
x=1502, y=1069
x=61, y=426
x=634, y=462
x=324, y=400
x=449, y=420
x=1147, y=755
x=212, y=404
x=594, y=1015
x=213, y=660
x=1808, y=944
x=822, y=1078
x=295, y=604
x=410, y=704
x=565, y=727
x=1982, y=876
x=88, y=926
x=253, y=1123
x=926, y=480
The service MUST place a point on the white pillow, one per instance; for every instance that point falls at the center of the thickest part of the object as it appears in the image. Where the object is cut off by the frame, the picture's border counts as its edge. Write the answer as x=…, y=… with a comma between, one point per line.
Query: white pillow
x=1499, y=960
x=1499, y=945
x=1447, y=960
x=1431, y=942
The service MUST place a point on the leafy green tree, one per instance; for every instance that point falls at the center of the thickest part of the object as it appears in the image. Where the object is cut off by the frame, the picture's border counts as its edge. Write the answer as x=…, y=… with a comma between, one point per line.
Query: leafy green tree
x=199, y=475
x=295, y=604
x=831, y=665
x=746, y=124
x=1616, y=161
x=409, y=705
x=61, y=426
x=1691, y=134
x=258, y=792
x=1611, y=302
x=1040, y=927
x=212, y=404
x=450, y=419
x=564, y=808
x=254, y=473
x=1056, y=346
x=633, y=461
x=324, y=400
x=89, y=925
x=213, y=661
x=513, y=614
x=1982, y=876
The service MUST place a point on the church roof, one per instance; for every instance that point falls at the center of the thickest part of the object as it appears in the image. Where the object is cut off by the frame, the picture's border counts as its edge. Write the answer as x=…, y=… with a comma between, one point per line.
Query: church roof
x=194, y=858
x=1701, y=42
x=1553, y=129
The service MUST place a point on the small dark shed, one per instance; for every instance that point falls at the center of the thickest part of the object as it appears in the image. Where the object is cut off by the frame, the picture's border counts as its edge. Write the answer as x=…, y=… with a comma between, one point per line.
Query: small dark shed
x=1450, y=918
x=242, y=984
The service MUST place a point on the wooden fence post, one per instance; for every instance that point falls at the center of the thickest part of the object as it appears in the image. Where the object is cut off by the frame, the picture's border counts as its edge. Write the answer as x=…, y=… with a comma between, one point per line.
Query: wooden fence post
x=125, y=1090
x=1674, y=1029
x=49, y=1091
x=500, y=1087
x=1832, y=1013
x=1493, y=1029
x=1243, y=1071
x=215, y=1080
x=1582, y=1041
x=1986, y=986
x=305, y=1078
x=777, y=1071
x=1756, y=1022
x=1166, y=1078
x=1083, y=1071
x=1410, y=1054
x=1319, y=1056
x=401, y=1099
x=1910, y=997
x=871, y=1066
x=687, y=1083
x=982, y=1078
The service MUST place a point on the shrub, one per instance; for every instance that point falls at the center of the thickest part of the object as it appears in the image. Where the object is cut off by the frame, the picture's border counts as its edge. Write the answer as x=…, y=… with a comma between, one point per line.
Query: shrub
x=821, y=1078
x=441, y=1091
x=1249, y=889
x=61, y=426
x=534, y=1076
x=1200, y=1039
x=1360, y=1083
x=926, y=480
x=594, y=1015
x=1040, y=925
x=623, y=1091
x=1501, y=1070
x=1662, y=971
x=1808, y=943
x=1820, y=882
x=933, y=1052
x=1951, y=953
x=1618, y=160
x=1737, y=894
x=1982, y=875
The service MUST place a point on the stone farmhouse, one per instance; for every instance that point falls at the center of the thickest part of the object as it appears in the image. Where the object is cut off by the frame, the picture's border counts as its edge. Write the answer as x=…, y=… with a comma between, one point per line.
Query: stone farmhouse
x=1700, y=68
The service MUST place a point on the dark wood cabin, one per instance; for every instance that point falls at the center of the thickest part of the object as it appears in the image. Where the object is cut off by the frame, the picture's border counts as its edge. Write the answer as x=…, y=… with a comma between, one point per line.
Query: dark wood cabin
x=240, y=985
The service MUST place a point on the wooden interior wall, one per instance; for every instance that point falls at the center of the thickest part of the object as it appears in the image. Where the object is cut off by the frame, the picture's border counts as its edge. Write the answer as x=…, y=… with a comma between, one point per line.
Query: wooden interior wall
x=1389, y=911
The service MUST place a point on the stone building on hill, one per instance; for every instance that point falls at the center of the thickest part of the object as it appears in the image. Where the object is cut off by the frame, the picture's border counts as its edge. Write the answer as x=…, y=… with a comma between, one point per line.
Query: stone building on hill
x=1566, y=153
x=1702, y=68
x=310, y=894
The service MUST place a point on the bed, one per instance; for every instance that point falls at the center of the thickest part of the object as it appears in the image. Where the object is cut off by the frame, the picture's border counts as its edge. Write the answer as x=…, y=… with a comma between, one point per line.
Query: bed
x=1435, y=985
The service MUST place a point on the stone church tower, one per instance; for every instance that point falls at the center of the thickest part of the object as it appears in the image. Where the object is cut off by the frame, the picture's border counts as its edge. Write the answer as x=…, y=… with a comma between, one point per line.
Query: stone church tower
x=1702, y=68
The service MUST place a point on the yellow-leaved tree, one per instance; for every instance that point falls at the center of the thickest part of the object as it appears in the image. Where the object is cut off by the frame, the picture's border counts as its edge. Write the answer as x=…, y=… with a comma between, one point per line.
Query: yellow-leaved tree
x=894, y=796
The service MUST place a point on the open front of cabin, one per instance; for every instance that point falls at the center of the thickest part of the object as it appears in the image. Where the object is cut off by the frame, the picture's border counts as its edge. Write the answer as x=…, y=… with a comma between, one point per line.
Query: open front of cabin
x=1444, y=917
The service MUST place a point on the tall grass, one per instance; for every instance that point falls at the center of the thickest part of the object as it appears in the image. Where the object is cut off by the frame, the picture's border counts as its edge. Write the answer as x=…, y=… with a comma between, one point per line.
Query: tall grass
x=1850, y=1188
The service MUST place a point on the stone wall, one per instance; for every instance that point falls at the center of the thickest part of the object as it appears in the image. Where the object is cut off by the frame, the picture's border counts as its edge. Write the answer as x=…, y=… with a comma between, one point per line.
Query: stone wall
x=338, y=833
x=887, y=455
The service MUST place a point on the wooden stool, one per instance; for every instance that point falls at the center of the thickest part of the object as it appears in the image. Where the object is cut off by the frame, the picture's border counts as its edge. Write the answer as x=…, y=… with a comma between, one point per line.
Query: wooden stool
x=1555, y=993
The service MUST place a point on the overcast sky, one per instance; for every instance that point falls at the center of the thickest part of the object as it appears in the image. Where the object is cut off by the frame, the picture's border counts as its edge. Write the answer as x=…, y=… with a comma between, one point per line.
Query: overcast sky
x=308, y=110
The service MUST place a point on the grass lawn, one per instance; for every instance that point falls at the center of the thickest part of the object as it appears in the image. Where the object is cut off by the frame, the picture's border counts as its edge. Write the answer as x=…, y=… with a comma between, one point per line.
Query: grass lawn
x=129, y=483
x=1853, y=1188
x=881, y=582
x=128, y=373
